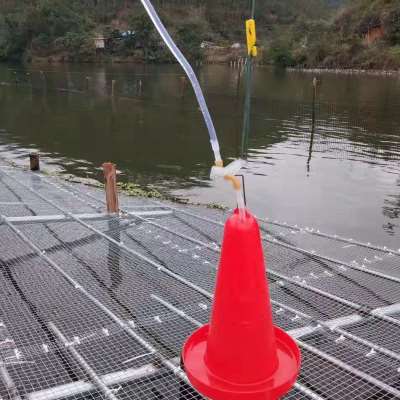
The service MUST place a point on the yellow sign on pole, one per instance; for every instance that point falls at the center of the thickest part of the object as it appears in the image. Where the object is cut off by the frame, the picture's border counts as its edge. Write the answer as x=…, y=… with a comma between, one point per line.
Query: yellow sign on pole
x=251, y=37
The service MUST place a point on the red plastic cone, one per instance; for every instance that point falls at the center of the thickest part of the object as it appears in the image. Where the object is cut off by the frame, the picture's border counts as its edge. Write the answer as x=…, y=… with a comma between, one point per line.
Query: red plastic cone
x=241, y=355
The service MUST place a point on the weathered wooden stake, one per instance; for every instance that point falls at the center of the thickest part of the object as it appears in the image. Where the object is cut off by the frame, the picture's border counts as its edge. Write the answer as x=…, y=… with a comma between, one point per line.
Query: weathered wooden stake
x=113, y=87
x=314, y=100
x=139, y=87
x=110, y=177
x=183, y=86
x=238, y=81
x=88, y=83
x=315, y=86
x=34, y=159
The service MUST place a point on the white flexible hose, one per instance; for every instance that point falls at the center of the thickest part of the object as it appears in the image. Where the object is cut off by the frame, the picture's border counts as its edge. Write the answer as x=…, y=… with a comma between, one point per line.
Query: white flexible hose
x=189, y=72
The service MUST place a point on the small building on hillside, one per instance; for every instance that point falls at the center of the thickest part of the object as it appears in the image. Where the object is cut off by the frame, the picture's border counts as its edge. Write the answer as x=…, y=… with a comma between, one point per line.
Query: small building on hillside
x=100, y=42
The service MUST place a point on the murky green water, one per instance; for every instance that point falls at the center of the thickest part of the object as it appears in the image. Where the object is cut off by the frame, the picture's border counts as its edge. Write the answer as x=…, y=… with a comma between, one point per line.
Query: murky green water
x=348, y=183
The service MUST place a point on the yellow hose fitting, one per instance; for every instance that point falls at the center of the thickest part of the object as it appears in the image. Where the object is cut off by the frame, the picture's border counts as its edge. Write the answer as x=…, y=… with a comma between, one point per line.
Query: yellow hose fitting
x=235, y=181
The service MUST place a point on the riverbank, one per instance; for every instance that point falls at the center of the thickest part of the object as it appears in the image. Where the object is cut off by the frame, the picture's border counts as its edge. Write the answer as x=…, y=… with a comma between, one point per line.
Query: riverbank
x=214, y=56
x=345, y=71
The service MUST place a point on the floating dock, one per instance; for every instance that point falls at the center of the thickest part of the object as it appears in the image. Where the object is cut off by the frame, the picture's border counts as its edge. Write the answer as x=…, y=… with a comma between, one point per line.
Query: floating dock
x=98, y=306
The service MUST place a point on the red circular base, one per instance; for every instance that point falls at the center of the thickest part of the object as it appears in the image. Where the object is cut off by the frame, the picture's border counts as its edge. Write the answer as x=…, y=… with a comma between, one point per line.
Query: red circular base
x=216, y=388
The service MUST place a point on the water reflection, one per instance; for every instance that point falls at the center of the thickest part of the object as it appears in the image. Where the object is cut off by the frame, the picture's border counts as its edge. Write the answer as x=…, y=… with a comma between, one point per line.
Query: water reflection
x=391, y=210
x=153, y=130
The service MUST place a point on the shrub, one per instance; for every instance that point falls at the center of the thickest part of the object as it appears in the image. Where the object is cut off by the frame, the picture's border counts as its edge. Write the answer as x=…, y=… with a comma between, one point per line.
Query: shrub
x=281, y=57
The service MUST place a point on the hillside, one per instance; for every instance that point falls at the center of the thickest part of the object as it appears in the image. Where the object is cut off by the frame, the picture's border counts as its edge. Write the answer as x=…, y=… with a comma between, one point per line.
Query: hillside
x=361, y=34
x=324, y=33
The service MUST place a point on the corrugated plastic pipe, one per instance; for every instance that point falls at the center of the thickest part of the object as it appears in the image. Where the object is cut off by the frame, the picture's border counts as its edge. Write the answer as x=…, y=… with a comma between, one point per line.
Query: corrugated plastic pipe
x=191, y=75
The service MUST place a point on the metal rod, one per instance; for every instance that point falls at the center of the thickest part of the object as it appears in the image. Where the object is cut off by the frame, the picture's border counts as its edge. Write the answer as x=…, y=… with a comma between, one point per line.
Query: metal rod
x=305, y=390
x=333, y=237
x=9, y=383
x=82, y=387
x=46, y=219
x=176, y=310
x=97, y=381
x=392, y=309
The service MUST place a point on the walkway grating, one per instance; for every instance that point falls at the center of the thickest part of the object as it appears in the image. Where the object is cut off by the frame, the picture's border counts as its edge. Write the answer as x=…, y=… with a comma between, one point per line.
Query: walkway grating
x=98, y=307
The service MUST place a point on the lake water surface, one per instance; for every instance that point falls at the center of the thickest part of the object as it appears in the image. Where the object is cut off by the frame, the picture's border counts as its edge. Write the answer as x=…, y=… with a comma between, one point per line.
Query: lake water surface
x=344, y=179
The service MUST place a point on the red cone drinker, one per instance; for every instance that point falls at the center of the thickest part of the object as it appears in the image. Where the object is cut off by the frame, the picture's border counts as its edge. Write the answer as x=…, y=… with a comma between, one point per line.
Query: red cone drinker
x=241, y=355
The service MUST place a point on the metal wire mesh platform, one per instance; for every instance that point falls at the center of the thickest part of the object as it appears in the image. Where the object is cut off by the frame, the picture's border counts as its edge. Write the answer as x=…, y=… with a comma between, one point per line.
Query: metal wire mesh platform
x=95, y=306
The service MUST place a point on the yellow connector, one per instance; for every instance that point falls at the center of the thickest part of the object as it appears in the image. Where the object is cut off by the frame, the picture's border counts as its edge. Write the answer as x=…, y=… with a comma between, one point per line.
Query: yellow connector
x=251, y=37
x=234, y=180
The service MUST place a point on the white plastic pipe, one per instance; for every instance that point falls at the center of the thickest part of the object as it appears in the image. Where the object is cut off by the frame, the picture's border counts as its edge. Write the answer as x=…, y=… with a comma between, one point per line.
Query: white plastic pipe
x=190, y=74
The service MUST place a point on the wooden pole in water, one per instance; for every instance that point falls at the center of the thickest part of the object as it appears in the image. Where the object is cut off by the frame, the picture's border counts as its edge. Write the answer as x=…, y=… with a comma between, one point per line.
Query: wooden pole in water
x=113, y=87
x=238, y=82
x=88, y=83
x=139, y=87
x=310, y=150
x=183, y=86
x=34, y=161
x=315, y=93
x=44, y=81
x=110, y=177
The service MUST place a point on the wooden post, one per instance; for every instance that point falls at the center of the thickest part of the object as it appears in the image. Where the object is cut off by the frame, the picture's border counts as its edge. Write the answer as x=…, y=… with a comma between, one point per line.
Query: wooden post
x=314, y=99
x=34, y=159
x=183, y=86
x=238, y=82
x=110, y=177
x=88, y=83
x=315, y=86
x=43, y=76
x=139, y=87
x=113, y=82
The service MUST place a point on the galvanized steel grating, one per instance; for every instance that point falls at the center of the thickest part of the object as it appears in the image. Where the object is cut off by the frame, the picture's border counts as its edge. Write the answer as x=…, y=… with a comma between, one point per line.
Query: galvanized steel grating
x=98, y=307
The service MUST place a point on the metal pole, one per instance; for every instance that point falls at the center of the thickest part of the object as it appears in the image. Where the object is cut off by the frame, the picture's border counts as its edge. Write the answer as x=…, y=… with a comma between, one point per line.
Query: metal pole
x=82, y=387
x=9, y=383
x=333, y=237
x=97, y=381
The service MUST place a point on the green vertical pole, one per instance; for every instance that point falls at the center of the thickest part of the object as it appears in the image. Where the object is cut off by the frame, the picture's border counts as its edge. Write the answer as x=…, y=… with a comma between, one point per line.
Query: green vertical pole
x=247, y=101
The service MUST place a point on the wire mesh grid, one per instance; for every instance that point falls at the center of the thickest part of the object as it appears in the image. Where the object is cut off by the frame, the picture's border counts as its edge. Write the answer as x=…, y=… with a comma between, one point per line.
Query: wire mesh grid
x=101, y=309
